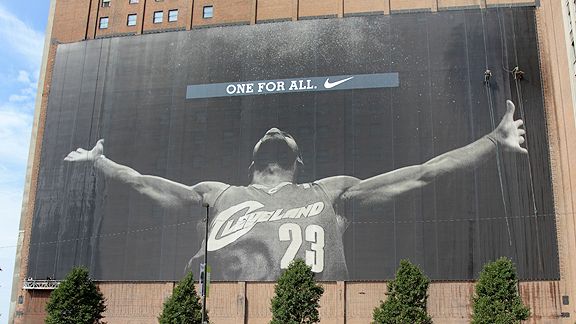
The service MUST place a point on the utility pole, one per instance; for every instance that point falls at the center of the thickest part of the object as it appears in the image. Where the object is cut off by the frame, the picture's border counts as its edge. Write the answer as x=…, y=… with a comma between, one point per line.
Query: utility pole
x=204, y=277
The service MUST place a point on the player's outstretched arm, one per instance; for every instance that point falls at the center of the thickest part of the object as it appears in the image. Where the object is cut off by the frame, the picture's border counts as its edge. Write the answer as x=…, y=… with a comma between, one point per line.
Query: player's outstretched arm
x=382, y=188
x=166, y=192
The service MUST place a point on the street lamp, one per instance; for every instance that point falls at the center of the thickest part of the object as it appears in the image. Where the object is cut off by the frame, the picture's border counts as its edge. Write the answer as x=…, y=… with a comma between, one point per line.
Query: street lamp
x=204, y=277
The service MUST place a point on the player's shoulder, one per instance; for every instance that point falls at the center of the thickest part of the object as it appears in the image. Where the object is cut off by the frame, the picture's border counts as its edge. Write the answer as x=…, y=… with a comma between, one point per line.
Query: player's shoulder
x=341, y=182
x=335, y=186
x=207, y=186
x=210, y=190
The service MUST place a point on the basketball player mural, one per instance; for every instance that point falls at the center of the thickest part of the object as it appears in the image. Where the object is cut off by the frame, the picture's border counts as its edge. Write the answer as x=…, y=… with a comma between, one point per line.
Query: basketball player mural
x=257, y=230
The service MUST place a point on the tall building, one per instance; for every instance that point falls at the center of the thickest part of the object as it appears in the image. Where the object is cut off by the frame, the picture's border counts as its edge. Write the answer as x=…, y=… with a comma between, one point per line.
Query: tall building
x=183, y=90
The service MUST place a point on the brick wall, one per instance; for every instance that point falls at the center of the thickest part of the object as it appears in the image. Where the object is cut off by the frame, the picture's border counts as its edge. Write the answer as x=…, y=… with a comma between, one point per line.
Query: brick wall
x=77, y=20
x=225, y=12
x=342, y=302
x=71, y=17
x=270, y=10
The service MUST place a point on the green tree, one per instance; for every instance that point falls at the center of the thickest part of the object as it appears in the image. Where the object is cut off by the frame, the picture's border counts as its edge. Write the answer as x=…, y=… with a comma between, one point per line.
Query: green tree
x=184, y=306
x=407, y=296
x=77, y=300
x=496, y=299
x=297, y=296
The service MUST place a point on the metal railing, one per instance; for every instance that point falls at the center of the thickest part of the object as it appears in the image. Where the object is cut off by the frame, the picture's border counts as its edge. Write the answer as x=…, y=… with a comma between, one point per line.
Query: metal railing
x=32, y=284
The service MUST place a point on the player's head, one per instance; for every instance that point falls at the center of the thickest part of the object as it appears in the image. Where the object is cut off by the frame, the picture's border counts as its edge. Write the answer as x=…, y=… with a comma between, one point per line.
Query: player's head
x=275, y=147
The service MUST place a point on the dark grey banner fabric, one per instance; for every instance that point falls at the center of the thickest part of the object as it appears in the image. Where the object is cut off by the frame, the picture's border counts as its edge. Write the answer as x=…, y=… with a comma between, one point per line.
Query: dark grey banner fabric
x=134, y=92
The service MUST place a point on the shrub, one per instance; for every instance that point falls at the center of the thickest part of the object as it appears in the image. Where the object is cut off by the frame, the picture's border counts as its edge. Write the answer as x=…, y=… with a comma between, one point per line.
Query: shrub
x=184, y=306
x=496, y=299
x=297, y=296
x=407, y=296
x=77, y=300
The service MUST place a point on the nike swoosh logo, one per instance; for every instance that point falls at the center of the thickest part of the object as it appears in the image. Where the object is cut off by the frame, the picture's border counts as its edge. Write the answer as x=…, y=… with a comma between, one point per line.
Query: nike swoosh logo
x=330, y=85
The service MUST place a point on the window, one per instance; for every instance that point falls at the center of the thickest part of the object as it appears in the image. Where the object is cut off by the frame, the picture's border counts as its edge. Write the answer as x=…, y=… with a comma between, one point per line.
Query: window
x=208, y=12
x=173, y=15
x=131, y=20
x=133, y=1
x=158, y=16
x=105, y=3
x=103, y=22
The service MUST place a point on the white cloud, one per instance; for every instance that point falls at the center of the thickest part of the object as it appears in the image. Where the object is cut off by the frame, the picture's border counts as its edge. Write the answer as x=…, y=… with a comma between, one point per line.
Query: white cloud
x=20, y=37
x=11, y=201
x=15, y=129
x=7, y=264
x=26, y=96
x=30, y=91
x=19, y=84
x=23, y=76
x=18, y=98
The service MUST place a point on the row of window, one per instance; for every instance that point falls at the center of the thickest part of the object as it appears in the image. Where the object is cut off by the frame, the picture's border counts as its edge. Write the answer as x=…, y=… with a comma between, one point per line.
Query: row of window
x=132, y=18
x=207, y=12
x=106, y=3
x=159, y=16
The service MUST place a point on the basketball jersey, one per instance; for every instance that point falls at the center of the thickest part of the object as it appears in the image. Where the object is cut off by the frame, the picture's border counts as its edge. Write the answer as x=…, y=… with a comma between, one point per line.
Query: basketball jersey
x=255, y=232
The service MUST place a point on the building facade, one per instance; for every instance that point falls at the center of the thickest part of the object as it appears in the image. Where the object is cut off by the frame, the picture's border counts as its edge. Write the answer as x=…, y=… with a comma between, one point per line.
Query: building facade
x=73, y=21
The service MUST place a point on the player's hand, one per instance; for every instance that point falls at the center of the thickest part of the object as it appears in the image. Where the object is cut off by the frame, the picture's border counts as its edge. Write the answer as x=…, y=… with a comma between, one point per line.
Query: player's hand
x=84, y=155
x=509, y=133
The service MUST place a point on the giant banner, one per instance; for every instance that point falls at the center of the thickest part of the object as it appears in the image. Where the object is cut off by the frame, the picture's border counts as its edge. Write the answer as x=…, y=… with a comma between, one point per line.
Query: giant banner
x=350, y=143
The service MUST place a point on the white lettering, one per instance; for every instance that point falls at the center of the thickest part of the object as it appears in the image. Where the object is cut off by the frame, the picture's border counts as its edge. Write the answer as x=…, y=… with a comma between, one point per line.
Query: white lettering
x=216, y=244
x=231, y=89
x=281, y=86
x=226, y=231
x=293, y=85
x=261, y=86
x=316, y=209
x=291, y=213
x=270, y=86
x=265, y=216
x=303, y=212
x=277, y=215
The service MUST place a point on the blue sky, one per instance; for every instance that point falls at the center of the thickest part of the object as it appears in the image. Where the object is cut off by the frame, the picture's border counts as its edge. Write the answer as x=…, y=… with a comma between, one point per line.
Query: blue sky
x=22, y=28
